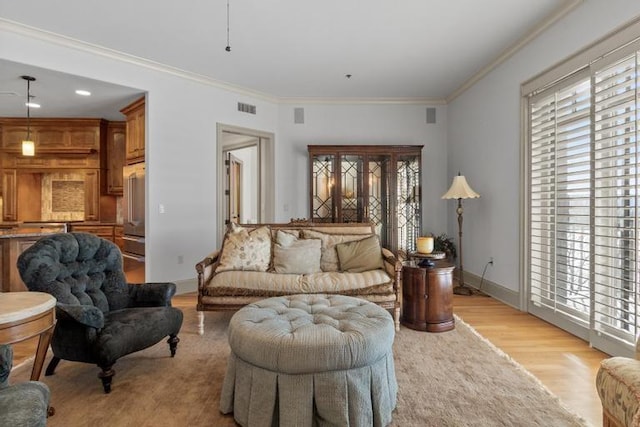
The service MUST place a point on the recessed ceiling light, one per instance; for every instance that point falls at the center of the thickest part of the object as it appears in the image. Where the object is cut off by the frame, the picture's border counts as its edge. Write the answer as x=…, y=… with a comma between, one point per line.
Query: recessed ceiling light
x=83, y=92
x=32, y=104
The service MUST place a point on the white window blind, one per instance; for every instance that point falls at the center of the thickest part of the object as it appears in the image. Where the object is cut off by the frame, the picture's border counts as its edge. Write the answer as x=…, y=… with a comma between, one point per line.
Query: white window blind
x=583, y=191
x=616, y=197
x=560, y=198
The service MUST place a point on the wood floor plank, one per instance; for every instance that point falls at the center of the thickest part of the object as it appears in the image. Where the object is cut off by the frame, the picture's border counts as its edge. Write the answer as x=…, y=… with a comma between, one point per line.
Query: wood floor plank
x=566, y=365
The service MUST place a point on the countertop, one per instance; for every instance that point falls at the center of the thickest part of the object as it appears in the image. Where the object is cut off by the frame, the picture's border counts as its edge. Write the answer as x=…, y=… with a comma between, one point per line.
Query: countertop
x=41, y=228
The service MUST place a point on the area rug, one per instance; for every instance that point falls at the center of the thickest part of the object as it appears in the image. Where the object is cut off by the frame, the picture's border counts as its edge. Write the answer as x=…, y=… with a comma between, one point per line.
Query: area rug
x=449, y=379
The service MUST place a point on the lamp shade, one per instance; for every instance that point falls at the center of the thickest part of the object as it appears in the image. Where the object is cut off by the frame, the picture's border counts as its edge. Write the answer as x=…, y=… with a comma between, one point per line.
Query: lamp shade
x=460, y=189
x=28, y=148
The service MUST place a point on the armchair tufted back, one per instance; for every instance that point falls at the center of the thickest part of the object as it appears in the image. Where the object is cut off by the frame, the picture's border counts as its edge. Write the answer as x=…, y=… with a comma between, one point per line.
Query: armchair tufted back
x=77, y=269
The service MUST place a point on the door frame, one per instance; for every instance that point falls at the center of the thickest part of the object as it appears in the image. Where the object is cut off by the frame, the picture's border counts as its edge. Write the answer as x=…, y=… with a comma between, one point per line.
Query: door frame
x=266, y=184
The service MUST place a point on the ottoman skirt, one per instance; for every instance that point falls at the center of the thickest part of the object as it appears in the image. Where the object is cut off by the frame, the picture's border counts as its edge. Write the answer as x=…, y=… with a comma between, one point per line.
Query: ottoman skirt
x=360, y=397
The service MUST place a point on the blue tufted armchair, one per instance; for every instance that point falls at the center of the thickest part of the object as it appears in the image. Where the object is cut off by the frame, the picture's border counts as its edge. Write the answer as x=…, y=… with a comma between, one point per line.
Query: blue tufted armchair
x=100, y=316
x=22, y=404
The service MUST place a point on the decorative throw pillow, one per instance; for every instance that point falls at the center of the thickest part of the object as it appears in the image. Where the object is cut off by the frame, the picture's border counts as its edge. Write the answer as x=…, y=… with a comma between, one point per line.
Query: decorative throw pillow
x=246, y=250
x=299, y=257
x=360, y=255
x=329, y=258
x=285, y=238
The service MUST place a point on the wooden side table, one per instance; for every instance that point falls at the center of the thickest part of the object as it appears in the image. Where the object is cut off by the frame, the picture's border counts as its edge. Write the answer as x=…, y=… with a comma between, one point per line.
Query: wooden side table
x=24, y=315
x=427, y=297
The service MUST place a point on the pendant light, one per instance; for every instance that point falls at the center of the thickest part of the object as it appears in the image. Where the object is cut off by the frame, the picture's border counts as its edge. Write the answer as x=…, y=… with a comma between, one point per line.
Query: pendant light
x=28, y=146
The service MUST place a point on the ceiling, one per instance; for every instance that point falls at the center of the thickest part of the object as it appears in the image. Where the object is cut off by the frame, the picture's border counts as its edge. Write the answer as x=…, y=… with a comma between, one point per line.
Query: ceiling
x=406, y=49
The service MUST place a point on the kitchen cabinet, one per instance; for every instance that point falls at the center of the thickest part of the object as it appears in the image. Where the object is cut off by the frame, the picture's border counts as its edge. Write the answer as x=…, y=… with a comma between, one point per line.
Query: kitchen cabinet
x=10, y=195
x=135, y=131
x=118, y=233
x=368, y=183
x=116, y=139
x=52, y=135
x=92, y=195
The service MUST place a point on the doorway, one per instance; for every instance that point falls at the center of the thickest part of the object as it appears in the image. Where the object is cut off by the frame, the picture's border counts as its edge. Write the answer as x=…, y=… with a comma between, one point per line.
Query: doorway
x=246, y=182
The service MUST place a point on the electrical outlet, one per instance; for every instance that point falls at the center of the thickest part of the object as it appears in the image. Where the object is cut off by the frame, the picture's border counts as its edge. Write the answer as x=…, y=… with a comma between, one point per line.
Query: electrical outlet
x=180, y=259
x=491, y=260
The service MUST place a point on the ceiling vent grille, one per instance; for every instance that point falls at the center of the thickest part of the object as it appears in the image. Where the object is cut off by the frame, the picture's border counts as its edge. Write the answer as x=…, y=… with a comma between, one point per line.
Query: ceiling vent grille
x=246, y=108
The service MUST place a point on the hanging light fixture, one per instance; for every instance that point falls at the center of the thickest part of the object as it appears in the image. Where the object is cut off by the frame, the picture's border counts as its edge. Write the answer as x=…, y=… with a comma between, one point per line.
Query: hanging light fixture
x=28, y=146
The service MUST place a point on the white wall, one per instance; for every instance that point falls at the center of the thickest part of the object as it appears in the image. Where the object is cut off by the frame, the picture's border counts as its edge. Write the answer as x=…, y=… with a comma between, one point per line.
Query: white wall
x=181, y=144
x=325, y=124
x=484, y=137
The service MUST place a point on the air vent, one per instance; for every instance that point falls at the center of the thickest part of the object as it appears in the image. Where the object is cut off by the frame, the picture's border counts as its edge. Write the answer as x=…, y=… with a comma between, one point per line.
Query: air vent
x=431, y=115
x=246, y=108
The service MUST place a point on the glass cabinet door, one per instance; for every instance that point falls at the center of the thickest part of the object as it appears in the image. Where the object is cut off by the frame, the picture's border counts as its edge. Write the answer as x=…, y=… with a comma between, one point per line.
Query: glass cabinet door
x=378, y=208
x=322, y=188
x=408, y=201
x=351, y=207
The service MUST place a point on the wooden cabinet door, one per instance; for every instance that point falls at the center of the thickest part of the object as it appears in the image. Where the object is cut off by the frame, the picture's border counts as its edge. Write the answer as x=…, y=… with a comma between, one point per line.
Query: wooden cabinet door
x=92, y=196
x=10, y=196
x=135, y=138
x=116, y=139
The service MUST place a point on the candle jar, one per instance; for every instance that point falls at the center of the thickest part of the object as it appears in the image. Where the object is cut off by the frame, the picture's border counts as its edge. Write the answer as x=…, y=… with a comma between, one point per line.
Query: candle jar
x=424, y=244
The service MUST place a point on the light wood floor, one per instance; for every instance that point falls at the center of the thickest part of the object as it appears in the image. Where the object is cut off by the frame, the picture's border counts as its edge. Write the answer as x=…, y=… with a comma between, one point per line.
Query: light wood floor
x=562, y=362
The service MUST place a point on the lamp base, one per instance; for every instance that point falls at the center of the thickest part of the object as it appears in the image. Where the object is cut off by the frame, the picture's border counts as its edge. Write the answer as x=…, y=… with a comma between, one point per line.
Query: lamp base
x=467, y=291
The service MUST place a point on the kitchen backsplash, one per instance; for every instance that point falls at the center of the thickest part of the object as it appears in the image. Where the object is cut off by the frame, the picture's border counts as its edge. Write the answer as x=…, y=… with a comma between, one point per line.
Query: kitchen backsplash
x=62, y=197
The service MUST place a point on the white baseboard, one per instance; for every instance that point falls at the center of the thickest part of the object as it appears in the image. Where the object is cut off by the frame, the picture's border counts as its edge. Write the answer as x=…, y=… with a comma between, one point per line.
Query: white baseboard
x=497, y=291
x=186, y=286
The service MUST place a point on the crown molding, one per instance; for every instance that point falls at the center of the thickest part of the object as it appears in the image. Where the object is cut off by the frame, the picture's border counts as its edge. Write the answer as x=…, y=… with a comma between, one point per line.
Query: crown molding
x=76, y=44
x=556, y=15
x=357, y=101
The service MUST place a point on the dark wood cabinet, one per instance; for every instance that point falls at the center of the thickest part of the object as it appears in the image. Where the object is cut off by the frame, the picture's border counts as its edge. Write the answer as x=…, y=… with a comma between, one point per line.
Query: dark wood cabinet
x=368, y=183
x=427, y=297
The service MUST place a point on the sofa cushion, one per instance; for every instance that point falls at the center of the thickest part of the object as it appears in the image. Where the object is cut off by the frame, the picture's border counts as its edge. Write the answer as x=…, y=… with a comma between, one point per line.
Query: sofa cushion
x=264, y=283
x=329, y=258
x=298, y=256
x=360, y=255
x=245, y=250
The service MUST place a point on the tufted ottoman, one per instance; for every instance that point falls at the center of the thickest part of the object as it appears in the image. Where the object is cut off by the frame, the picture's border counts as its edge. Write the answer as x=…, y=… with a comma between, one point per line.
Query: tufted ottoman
x=304, y=360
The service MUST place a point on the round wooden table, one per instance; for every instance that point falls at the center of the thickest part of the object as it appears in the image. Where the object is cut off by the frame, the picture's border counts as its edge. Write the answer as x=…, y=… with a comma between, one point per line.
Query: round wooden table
x=24, y=315
x=427, y=296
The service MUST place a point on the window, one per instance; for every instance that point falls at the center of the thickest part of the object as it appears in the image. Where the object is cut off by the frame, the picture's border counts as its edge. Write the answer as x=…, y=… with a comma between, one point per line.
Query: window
x=582, y=223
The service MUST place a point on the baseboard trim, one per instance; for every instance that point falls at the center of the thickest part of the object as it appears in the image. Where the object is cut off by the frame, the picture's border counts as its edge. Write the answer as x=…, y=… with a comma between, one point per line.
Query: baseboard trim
x=496, y=291
x=186, y=286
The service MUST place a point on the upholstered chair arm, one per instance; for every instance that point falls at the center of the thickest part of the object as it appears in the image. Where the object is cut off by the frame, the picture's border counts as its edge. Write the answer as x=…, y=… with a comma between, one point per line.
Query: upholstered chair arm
x=618, y=385
x=6, y=361
x=85, y=314
x=151, y=294
x=392, y=265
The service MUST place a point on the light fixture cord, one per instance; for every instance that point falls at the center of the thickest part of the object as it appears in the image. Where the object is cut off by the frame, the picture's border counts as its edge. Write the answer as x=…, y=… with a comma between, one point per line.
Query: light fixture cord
x=228, y=48
x=28, y=110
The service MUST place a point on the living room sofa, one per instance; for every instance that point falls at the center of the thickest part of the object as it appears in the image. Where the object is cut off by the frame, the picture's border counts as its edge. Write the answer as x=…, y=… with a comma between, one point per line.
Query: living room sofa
x=258, y=261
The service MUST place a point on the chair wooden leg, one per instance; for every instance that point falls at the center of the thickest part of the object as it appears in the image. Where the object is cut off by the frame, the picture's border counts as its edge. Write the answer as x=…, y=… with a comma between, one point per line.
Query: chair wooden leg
x=51, y=367
x=200, y=322
x=173, y=344
x=106, y=375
